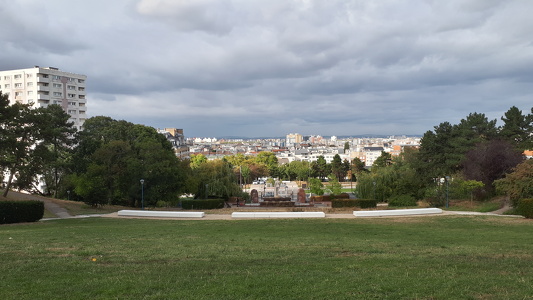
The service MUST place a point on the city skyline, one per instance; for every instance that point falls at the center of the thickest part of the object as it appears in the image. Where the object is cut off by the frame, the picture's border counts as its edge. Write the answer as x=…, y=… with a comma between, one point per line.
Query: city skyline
x=268, y=68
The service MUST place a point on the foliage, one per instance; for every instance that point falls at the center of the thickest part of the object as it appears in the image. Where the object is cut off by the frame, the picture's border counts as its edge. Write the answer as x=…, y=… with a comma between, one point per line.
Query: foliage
x=469, y=186
x=383, y=160
x=320, y=168
x=213, y=179
x=21, y=211
x=525, y=207
x=316, y=187
x=339, y=168
x=402, y=200
x=113, y=156
x=334, y=187
x=33, y=142
x=490, y=161
x=197, y=160
x=517, y=128
x=518, y=184
x=270, y=160
x=202, y=204
x=366, y=203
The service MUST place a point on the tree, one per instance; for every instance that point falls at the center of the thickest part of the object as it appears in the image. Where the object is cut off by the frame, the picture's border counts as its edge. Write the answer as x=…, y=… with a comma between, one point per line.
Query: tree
x=490, y=161
x=197, y=160
x=213, y=179
x=470, y=186
x=517, y=128
x=316, y=187
x=55, y=138
x=269, y=159
x=17, y=140
x=338, y=168
x=385, y=159
x=334, y=187
x=111, y=158
x=320, y=167
x=519, y=183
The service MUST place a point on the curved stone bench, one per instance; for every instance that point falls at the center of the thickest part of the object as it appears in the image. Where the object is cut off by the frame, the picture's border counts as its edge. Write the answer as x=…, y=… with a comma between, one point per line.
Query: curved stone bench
x=397, y=212
x=161, y=214
x=278, y=215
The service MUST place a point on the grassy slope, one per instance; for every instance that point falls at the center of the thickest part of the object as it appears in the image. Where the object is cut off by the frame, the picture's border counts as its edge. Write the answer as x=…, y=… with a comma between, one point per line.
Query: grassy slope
x=424, y=258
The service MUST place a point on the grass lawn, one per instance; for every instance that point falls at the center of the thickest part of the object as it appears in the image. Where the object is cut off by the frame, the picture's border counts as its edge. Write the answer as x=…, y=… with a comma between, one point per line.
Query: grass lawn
x=444, y=257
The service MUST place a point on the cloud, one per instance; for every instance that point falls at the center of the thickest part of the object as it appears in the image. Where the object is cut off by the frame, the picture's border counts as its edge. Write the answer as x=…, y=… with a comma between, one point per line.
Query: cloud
x=240, y=67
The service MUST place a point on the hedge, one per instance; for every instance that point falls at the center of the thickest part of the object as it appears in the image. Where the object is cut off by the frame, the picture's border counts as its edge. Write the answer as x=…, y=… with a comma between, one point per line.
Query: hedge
x=21, y=211
x=525, y=208
x=202, y=204
x=361, y=203
x=402, y=200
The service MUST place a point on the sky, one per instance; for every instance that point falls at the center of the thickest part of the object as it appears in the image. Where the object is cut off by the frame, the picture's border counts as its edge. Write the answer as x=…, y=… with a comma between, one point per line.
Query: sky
x=266, y=68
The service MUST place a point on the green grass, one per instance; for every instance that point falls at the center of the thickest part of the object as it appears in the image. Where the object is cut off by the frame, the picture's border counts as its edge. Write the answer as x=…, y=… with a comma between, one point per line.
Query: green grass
x=477, y=206
x=443, y=257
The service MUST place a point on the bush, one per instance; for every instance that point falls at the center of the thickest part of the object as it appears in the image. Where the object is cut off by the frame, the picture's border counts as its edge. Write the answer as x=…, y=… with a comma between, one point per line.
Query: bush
x=320, y=198
x=202, y=204
x=361, y=203
x=340, y=196
x=20, y=211
x=367, y=203
x=402, y=200
x=525, y=208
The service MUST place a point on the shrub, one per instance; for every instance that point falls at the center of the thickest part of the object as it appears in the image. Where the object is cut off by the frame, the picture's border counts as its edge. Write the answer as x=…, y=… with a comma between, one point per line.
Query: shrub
x=402, y=200
x=367, y=203
x=525, y=208
x=20, y=211
x=361, y=203
x=320, y=198
x=340, y=196
x=202, y=204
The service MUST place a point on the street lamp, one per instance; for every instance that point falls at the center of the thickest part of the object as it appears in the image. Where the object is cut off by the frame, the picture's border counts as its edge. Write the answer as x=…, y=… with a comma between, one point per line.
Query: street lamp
x=142, y=194
x=447, y=189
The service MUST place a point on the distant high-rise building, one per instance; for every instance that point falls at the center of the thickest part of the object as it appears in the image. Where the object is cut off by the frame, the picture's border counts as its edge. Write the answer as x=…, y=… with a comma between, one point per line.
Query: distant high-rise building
x=294, y=138
x=44, y=86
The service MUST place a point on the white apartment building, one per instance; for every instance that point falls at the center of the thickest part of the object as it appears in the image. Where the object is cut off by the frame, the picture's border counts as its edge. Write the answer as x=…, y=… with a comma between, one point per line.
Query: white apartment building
x=45, y=86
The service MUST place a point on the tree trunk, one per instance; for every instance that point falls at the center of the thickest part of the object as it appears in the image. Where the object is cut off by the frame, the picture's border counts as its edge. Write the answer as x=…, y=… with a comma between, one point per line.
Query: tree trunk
x=8, y=185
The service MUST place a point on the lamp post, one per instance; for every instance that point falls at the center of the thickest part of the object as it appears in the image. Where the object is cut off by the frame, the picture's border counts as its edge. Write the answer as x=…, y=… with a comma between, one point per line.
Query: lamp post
x=68, y=195
x=447, y=190
x=142, y=194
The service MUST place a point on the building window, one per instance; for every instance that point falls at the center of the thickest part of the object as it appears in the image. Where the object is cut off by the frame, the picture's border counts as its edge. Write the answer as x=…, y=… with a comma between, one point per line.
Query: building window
x=82, y=112
x=17, y=94
x=7, y=86
x=81, y=96
x=81, y=89
x=71, y=87
x=18, y=85
x=45, y=75
x=30, y=84
x=56, y=77
x=71, y=79
x=81, y=81
x=72, y=103
x=29, y=75
x=71, y=111
x=57, y=85
x=58, y=94
x=6, y=77
x=30, y=93
x=72, y=96
x=18, y=76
